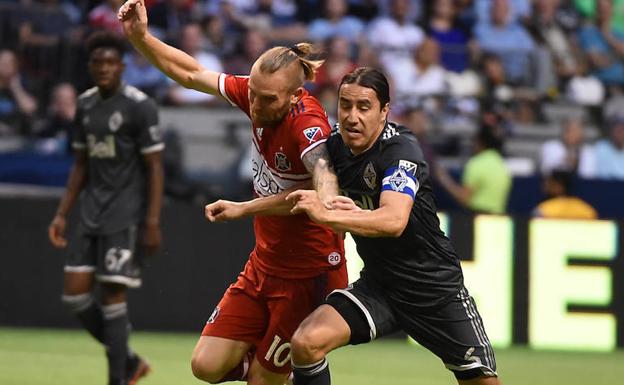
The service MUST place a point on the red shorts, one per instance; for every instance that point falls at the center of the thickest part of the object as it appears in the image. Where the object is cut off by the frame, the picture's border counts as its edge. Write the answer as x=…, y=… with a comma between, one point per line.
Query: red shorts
x=265, y=311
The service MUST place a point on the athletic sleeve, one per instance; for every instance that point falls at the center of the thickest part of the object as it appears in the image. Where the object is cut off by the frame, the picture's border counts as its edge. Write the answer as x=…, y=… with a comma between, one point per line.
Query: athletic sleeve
x=235, y=90
x=78, y=137
x=403, y=165
x=149, y=136
x=311, y=129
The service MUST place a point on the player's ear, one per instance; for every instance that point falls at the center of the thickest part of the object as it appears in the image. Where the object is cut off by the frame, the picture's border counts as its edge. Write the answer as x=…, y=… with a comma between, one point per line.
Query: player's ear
x=296, y=95
x=384, y=112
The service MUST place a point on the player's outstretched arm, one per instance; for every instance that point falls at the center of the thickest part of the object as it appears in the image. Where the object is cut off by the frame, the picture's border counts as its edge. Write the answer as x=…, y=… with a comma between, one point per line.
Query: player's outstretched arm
x=176, y=64
x=324, y=179
x=223, y=210
x=75, y=184
x=389, y=220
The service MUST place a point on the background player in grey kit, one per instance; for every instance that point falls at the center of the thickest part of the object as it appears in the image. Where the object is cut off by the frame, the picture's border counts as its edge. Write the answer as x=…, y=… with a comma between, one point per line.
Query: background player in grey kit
x=118, y=176
x=412, y=279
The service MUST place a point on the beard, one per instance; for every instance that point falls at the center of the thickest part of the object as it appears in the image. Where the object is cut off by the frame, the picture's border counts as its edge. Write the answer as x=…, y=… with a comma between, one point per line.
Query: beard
x=271, y=119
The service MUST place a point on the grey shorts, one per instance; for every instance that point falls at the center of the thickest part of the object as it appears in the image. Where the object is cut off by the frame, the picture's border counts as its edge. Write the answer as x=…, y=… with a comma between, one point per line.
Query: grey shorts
x=114, y=258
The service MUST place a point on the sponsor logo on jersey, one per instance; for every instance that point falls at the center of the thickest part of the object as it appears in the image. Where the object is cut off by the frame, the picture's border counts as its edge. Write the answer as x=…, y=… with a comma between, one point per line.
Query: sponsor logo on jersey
x=281, y=162
x=259, y=131
x=115, y=121
x=408, y=166
x=311, y=133
x=363, y=201
x=334, y=258
x=214, y=315
x=102, y=150
x=398, y=180
x=370, y=176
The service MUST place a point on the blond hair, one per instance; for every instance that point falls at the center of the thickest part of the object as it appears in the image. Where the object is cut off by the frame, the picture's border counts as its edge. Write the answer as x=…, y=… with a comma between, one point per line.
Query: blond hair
x=277, y=58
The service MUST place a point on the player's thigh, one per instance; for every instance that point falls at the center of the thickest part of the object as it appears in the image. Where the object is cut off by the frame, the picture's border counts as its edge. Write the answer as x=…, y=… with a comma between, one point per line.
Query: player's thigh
x=365, y=309
x=119, y=257
x=259, y=375
x=80, y=263
x=321, y=332
x=218, y=355
x=455, y=333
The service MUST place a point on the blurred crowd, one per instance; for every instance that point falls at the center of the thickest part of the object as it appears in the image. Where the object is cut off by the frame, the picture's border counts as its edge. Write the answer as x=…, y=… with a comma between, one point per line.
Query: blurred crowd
x=456, y=66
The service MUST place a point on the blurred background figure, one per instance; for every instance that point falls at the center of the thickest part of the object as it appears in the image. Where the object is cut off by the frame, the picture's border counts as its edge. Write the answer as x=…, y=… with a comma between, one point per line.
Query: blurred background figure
x=560, y=203
x=486, y=181
x=569, y=152
x=336, y=22
x=17, y=105
x=54, y=130
x=253, y=45
x=610, y=151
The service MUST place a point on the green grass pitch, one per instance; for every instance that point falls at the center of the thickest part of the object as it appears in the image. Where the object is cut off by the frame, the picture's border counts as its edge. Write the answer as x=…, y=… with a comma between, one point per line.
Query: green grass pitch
x=71, y=357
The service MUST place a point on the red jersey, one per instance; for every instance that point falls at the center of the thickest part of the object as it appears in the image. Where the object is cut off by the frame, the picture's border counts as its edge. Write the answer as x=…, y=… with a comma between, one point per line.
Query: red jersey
x=286, y=246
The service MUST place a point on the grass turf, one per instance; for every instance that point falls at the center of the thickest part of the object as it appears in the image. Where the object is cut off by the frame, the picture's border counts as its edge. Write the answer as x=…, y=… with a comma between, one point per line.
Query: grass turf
x=71, y=357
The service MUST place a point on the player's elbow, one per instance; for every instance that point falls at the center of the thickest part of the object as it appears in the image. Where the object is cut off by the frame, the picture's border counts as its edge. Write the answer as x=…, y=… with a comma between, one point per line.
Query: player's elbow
x=394, y=227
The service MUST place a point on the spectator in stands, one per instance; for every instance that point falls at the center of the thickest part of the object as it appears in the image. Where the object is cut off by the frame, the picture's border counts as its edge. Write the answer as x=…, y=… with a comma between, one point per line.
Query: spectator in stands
x=560, y=203
x=335, y=22
x=275, y=18
x=588, y=9
x=425, y=77
x=519, y=10
x=584, y=88
x=218, y=40
x=104, y=16
x=253, y=45
x=413, y=9
x=604, y=46
x=191, y=42
x=59, y=120
x=486, y=181
x=394, y=38
x=610, y=151
x=508, y=40
x=142, y=74
x=337, y=63
x=451, y=35
x=17, y=105
x=416, y=119
x=569, y=152
x=556, y=59
x=168, y=17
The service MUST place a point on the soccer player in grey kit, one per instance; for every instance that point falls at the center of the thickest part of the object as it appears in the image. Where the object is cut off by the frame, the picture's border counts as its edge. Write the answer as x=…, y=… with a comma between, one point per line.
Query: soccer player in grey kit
x=118, y=177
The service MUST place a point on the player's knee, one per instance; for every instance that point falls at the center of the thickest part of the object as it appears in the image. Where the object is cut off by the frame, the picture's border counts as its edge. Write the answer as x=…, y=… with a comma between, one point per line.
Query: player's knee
x=206, y=368
x=78, y=302
x=307, y=345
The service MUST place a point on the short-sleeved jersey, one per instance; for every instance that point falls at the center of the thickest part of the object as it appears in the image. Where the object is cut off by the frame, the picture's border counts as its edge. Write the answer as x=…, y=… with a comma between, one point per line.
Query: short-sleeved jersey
x=286, y=246
x=115, y=132
x=420, y=267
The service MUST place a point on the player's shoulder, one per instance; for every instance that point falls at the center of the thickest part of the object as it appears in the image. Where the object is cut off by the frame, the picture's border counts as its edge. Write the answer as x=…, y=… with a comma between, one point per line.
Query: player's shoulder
x=307, y=107
x=400, y=141
x=88, y=95
x=134, y=94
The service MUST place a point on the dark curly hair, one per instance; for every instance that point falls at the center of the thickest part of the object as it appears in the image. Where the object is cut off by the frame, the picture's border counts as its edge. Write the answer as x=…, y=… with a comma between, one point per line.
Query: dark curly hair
x=105, y=39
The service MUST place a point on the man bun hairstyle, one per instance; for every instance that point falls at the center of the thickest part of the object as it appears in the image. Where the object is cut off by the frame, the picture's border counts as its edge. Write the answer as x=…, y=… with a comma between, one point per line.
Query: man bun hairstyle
x=280, y=57
x=370, y=78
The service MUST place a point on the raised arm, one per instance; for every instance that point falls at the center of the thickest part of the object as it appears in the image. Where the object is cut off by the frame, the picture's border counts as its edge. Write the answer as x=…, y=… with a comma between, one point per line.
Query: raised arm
x=176, y=64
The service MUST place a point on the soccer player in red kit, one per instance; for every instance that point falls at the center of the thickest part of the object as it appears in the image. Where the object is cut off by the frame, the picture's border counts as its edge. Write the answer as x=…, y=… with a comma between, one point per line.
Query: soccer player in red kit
x=295, y=262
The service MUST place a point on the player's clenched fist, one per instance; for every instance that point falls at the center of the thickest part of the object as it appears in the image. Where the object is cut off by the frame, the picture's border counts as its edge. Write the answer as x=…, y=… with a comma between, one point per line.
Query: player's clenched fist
x=307, y=201
x=223, y=210
x=133, y=17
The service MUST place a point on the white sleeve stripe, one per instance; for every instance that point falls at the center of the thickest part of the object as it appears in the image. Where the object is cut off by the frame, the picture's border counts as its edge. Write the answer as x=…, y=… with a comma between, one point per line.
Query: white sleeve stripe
x=79, y=145
x=222, y=89
x=312, y=147
x=155, y=148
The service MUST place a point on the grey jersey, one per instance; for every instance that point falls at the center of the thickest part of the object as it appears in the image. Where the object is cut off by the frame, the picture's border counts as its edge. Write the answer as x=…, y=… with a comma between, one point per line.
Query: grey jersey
x=116, y=132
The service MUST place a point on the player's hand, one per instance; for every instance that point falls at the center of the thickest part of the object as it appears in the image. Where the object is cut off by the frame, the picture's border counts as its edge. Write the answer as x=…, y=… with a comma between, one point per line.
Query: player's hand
x=222, y=210
x=56, y=231
x=151, y=238
x=344, y=203
x=133, y=17
x=307, y=201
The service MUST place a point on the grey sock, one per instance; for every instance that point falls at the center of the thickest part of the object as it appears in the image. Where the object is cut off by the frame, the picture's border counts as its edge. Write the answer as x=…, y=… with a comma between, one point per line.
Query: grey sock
x=115, y=332
x=315, y=374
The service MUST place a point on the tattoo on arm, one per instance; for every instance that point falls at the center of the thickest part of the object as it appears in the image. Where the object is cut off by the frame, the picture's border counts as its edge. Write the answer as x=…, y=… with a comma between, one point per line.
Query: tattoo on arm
x=324, y=180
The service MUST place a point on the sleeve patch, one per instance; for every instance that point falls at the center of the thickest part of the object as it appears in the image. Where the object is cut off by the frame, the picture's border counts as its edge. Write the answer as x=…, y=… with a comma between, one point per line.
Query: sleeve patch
x=408, y=166
x=312, y=133
x=397, y=179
